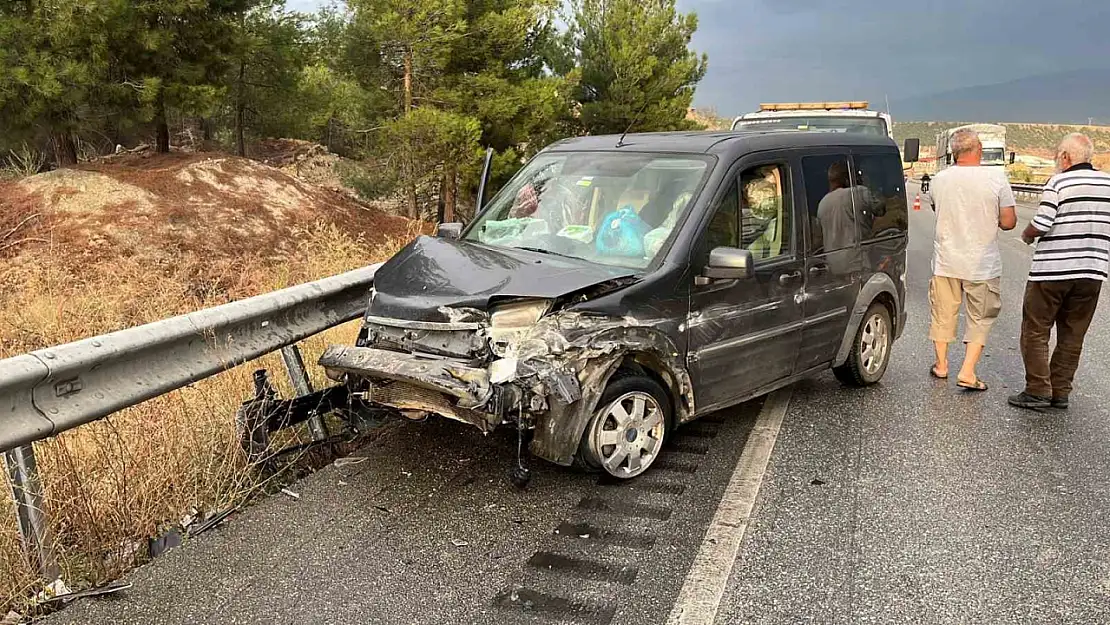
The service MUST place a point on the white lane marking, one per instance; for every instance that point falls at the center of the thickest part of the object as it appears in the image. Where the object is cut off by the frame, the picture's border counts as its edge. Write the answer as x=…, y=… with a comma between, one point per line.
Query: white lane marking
x=701, y=593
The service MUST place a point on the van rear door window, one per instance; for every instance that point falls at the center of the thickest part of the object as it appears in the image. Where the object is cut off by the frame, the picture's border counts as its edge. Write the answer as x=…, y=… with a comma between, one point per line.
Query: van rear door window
x=830, y=196
x=883, y=212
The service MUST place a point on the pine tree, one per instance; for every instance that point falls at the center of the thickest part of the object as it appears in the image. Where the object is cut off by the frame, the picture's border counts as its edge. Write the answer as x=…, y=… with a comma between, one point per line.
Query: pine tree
x=54, y=69
x=176, y=53
x=636, y=66
x=412, y=38
x=266, y=66
x=500, y=75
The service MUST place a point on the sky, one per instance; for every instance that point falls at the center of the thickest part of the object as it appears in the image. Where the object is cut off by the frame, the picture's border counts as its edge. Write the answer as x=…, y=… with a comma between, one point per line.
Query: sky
x=790, y=50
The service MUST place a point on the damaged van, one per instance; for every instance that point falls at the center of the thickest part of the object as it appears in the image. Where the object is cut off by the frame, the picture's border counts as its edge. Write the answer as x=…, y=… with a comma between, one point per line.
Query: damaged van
x=618, y=288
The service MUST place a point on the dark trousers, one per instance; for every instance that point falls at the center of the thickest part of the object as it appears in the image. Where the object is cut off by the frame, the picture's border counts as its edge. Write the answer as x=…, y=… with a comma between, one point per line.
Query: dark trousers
x=1070, y=306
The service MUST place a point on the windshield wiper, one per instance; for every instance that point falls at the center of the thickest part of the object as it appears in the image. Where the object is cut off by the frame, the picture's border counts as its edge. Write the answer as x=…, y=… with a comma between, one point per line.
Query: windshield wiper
x=540, y=250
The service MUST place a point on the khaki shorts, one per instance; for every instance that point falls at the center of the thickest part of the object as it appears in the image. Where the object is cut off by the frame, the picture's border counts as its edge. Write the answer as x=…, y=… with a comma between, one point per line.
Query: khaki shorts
x=983, y=303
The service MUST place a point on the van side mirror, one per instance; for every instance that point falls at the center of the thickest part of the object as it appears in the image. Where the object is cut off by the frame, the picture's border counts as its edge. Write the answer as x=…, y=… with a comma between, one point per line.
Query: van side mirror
x=449, y=231
x=911, y=151
x=729, y=263
x=1013, y=157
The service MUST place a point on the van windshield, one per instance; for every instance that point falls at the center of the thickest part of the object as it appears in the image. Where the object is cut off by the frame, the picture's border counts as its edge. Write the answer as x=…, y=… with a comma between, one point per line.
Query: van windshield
x=823, y=123
x=994, y=156
x=613, y=208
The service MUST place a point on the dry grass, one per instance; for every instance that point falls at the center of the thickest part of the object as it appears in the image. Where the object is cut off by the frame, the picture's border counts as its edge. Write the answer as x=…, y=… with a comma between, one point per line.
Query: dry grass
x=113, y=484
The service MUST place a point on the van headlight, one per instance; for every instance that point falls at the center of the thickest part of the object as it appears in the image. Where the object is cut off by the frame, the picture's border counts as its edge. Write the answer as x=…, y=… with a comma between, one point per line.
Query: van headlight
x=510, y=320
x=518, y=315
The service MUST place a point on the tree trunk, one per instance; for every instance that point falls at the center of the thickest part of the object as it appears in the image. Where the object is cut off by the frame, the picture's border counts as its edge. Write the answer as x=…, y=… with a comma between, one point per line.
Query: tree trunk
x=206, y=126
x=65, y=150
x=408, y=81
x=240, y=106
x=410, y=192
x=441, y=204
x=240, y=140
x=162, y=127
x=452, y=180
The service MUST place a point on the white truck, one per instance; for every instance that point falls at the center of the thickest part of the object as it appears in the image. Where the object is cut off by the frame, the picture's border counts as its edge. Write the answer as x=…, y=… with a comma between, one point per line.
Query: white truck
x=852, y=117
x=993, y=137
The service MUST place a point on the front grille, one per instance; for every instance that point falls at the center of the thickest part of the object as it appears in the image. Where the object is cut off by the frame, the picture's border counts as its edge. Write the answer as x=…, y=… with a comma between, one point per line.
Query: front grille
x=468, y=346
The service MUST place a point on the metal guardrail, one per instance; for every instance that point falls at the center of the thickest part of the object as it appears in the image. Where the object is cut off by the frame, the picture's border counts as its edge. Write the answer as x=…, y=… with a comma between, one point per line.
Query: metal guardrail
x=49, y=391
x=1025, y=188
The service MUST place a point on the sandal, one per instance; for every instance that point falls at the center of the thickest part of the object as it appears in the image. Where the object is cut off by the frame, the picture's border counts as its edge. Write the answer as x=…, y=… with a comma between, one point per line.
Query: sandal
x=977, y=385
x=933, y=372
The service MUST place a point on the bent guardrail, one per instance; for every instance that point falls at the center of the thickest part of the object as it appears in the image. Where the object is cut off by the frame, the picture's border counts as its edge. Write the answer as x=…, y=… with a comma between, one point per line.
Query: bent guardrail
x=49, y=391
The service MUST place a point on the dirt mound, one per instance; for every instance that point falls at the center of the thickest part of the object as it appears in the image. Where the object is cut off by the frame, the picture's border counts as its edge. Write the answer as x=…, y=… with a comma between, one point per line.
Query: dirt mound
x=304, y=160
x=211, y=214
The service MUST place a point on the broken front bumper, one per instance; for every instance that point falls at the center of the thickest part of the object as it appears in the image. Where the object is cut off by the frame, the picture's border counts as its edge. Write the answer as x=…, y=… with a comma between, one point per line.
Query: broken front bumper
x=413, y=382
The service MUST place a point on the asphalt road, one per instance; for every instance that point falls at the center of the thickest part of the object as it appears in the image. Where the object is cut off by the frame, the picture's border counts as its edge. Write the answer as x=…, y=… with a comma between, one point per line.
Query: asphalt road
x=909, y=502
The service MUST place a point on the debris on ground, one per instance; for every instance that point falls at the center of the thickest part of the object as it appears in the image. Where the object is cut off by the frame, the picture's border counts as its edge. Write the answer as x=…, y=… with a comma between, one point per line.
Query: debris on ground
x=459, y=543
x=170, y=539
x=52, y=591
x=212, y=521
x=98, y=591
x=343, y=462
x=289, y=493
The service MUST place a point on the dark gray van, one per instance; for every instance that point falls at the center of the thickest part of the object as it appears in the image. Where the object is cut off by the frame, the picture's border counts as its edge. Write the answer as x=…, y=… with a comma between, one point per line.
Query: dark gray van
x=618, y=288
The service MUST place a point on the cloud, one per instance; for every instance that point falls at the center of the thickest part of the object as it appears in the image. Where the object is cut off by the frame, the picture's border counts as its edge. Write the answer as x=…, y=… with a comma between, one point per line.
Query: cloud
x=865, y=49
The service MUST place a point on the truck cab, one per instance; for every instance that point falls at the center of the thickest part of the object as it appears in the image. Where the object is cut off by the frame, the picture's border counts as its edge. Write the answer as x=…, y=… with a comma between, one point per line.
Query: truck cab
x=847, y=117
x=992, y=136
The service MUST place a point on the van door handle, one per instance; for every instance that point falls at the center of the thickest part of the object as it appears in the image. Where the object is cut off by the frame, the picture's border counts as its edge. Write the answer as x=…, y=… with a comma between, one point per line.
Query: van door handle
x=817, y=270
x=787, y=278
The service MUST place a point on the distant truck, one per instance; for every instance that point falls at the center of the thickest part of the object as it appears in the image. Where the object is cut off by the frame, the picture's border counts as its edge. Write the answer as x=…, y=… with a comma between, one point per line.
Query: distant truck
x=848, y=117
x=993, y=137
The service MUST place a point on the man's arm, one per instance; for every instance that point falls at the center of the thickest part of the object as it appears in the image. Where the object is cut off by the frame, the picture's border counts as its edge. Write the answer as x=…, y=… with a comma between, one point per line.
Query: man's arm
x=1007, y=215
x=1007, y=218
x=1045, y=217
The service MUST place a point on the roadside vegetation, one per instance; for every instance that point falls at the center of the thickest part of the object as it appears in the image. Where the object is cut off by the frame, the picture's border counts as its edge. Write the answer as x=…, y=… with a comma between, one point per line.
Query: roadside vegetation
x=125, y=197
x=1030, y=139
x=1035, y=145
x=414, y=89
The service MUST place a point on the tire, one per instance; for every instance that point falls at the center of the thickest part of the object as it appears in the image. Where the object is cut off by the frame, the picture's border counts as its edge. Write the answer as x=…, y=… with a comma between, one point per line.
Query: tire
x=865, y=366
x=604, y=448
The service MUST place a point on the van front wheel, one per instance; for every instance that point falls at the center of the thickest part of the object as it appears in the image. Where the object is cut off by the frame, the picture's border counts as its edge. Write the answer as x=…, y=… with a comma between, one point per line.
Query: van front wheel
x=627, y=431
x=870, y=355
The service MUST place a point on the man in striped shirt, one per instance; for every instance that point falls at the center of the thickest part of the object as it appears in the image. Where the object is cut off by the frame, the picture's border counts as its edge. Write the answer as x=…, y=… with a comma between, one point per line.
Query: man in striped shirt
x=1070, y=264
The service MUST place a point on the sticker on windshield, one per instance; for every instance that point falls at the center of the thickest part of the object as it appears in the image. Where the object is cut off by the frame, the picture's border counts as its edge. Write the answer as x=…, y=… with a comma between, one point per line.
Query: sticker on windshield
x=586, y=181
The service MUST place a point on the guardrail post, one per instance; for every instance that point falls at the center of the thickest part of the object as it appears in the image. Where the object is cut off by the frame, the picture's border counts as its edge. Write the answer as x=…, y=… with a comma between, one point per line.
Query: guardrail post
x=294, y=364
x=28, y=494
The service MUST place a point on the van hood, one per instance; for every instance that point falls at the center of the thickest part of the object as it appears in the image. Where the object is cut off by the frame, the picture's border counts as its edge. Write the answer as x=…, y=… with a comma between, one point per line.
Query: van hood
x=431, y=274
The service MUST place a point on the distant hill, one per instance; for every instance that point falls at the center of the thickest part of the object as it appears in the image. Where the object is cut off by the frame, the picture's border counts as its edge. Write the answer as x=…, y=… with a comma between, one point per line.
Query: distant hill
x=1064, y=98
x=1033, y=139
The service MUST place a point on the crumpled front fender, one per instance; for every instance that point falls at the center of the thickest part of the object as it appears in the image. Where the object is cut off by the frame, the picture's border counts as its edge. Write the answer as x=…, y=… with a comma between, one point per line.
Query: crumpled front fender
x=596, y=356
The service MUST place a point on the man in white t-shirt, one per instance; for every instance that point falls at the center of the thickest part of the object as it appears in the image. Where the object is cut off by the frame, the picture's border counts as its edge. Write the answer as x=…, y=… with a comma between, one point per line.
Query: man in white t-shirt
x=972, y=203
